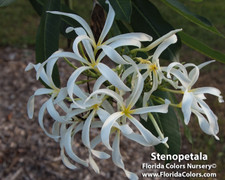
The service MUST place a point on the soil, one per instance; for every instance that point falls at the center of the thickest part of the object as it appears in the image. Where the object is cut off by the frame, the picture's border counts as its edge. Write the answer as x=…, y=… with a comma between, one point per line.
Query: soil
x=26, y=153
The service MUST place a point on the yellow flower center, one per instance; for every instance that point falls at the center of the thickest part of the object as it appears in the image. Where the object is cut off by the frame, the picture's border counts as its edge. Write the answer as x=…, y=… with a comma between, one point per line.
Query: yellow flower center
x=153, y=67
x=127, y=111
x=95, y=107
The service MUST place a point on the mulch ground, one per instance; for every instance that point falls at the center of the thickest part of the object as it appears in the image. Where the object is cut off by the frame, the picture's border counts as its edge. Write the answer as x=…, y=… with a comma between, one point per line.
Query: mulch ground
x=26, y=153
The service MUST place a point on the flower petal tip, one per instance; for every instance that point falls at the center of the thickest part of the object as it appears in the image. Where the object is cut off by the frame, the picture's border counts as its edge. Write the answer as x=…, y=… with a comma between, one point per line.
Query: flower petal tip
x=216, y=137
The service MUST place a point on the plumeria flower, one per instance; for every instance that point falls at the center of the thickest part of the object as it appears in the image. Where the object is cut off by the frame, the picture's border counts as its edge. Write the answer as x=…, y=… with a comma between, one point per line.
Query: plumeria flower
x=126, y=111
x=152, y=65
x=193, y=98
x=116, y=122
x=85, y=121
x=92, y=48
x=46, y=76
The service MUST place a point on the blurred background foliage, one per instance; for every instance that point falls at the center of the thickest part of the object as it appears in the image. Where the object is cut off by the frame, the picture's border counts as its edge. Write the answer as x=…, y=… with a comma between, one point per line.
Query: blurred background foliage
x=19, y=21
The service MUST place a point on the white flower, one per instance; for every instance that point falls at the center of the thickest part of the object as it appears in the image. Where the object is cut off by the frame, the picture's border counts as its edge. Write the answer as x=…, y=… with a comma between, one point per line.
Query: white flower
x=116, y=122
x=126, y=111
x=152, y=65
x=92, y=48
x=193, y=99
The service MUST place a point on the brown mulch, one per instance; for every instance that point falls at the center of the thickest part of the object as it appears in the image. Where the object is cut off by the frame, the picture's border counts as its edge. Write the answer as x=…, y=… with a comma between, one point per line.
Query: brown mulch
x=26, y=153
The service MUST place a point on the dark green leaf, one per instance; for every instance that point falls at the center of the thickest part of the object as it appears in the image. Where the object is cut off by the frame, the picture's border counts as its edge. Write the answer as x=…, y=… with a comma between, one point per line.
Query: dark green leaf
x=197, y=0
x=201, y=47
x=146, y=18
x=5, y=2
x=65, y=21
x=199, y=20
x=123, y=9
x=169, y=126
x=47, y=40
x=38, y=7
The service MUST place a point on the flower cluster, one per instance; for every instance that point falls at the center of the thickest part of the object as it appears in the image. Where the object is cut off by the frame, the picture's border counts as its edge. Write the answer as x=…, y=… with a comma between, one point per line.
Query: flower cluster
x=110, y=106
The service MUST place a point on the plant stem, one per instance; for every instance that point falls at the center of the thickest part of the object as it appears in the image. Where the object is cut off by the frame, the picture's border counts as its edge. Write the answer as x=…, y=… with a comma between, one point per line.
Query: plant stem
x=173, y=91
x=157, y=127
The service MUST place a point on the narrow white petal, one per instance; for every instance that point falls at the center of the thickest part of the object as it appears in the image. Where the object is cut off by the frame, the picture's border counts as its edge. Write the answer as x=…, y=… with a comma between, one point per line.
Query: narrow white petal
x=108, y=92
x=74, y=113
x=66, y=161
x=87, y=43
x=97, y=140
x=108, y=23
x=52, y=111
x=40, y=120
x=106, y=128
x=127, y=72
x=186, y=106
x=158, y=108
x=149, y=137
x=99, y=82
x=163, y=38
x=172, y=67
x=113, y=55
x=132, y=62
x=71, y=83
x=112, y=77
x=69, y=29
x=30, y=103
x=78, y=19
x=30, y=107
x=125, y=128
x=137, y=36
x=68, y=147
x=125, y=42
x=86, y=128
x=117, y=158
x=137, y=138
x=200, y=66
x=154, y=87
x=40, y=70
x=212, y=118
x=184, y=80
x=66, y=55
x=136, y=92
x=55, y=130
x=61, y=96
x=208, y=90
x=171, y=40
x=49, y=70
x=100, y=154
x=204, y=125
x=193, y=74
x=108, y=107
x=102, y=114
x=93, y=164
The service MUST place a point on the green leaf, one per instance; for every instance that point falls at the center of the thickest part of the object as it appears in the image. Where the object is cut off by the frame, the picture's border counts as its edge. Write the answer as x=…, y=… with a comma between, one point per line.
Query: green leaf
x=65, y=21
x=123, y=9
x=5, y=2
x=199, y=20
x=47, y=40
x=38, y=7
x=146, y=18
x=201, y=47
x=197, y=1
x=169, y=126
